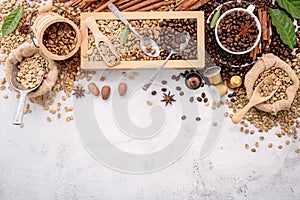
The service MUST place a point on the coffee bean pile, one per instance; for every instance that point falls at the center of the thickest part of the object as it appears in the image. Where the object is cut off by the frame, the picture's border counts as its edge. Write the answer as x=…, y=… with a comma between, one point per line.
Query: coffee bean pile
x=237, y=31
x=169, y=29
x=228, y=62
x=60, y=38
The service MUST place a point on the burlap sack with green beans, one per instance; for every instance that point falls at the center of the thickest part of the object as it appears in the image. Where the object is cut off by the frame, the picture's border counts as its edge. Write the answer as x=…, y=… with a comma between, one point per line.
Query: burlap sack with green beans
x=265, y=62
x=16, y=56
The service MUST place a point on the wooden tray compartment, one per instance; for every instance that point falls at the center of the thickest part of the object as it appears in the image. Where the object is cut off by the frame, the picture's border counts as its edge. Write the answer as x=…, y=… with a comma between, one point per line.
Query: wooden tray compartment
x=172, y=64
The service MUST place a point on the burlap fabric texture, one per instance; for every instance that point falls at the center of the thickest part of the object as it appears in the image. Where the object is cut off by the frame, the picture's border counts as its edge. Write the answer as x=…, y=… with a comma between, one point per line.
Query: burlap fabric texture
x=27, y=50
x=265, y=62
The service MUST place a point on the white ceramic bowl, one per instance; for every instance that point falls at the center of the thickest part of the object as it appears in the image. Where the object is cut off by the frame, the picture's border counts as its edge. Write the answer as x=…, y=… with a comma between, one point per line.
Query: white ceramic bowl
x=249, y=10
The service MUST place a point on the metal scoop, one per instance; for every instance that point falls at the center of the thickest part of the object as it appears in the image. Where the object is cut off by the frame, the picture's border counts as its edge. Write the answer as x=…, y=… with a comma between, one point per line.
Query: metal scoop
x=18, y=119
x=179, y=43
x=146, y=44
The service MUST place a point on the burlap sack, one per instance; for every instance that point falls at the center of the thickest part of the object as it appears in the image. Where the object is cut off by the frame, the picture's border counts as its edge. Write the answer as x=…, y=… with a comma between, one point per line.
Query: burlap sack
x=265, y=62
x=16, y=56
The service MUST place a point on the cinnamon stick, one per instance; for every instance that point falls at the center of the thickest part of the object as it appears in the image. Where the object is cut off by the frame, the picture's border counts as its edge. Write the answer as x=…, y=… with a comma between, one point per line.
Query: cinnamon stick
x=122, y=2
x=179, y=2
x=104, y=6
x=251, y=53
x=198, y=4
x=129, y=4
x=157, y=5
x=264, y=26
x=256, y=52
x=141, y=5
x=75, y=2
x=85, y=6
x=186, y=5
x=88, y=1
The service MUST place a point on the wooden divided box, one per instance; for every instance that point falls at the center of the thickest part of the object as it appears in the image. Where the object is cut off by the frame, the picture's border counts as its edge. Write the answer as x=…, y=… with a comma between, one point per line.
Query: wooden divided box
x=160, y=26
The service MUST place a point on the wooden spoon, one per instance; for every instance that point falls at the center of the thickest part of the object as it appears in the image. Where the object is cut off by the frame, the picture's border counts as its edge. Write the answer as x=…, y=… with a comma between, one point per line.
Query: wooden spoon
x=255, y=99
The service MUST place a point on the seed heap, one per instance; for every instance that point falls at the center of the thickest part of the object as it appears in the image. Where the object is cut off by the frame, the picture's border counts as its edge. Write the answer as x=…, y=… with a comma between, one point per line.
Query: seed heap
x=107, y=53
x=60, y=38
x=286, y=120
x=20, y=35
x=237, y=31
x=216, y=56
x=31, y=71
x=149, y=48
x=267, y=87
x=281, y=80
x=161, y=31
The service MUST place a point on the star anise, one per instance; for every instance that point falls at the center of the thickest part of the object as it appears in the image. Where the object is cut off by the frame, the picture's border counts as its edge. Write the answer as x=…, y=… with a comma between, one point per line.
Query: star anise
x=168, y=98
x=245, y=30
x=78, y=92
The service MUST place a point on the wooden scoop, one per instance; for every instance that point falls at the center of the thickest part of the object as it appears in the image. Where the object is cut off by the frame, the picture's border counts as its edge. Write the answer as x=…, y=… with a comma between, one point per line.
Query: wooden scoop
x=112, y=58
x=255, y=99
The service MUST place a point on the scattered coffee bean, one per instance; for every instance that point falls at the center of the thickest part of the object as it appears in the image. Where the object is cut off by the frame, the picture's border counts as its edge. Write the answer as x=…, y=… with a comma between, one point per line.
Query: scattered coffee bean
x=203, y=95
x=247, y=146
x=102, y=78
x=191, y=99
x=173, y=77
x=163, y=89
x=198, y=119
x=205, y=100
x=270, y=145
x=181, y=93
x=149, y=103
x=199, y=99
x=164, y=82
x=178, y=88
x=153, y=92
x=183, y=117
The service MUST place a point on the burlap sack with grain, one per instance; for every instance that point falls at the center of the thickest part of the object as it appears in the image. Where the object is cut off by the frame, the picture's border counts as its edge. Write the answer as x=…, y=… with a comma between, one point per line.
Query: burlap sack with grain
x=16, y=56
x=265, y=62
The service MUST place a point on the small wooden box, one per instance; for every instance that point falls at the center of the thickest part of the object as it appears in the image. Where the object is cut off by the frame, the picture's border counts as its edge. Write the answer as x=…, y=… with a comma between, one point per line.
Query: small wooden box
x=171, y=64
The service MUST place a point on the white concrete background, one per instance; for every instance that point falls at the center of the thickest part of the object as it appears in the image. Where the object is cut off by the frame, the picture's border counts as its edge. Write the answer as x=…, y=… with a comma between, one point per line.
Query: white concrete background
x=46, y=161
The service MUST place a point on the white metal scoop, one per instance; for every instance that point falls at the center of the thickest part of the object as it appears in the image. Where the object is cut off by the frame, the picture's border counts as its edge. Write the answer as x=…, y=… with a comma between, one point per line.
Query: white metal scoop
x=18, y=119
x=180, y=47
x=143, y=41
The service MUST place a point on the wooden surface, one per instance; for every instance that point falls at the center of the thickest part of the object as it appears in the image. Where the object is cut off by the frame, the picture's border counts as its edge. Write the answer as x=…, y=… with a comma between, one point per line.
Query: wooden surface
x=172, y=64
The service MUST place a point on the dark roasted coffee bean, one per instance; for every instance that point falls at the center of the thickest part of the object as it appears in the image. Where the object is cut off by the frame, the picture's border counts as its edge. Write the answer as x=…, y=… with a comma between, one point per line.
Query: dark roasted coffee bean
x=178, y=88
x=191, y=99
